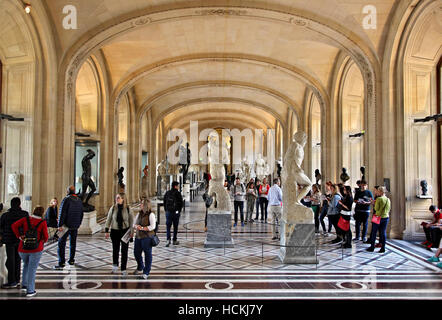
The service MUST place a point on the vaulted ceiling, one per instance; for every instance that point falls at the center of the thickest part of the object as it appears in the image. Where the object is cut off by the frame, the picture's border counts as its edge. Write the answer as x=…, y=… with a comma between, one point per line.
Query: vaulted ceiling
x=218, y=61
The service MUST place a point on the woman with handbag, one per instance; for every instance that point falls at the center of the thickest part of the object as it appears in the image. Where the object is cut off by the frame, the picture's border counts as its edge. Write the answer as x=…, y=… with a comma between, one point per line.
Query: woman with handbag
x=145, y=225
x=344, y=220
x=380, y=219
x=251, y=197
x=120, y=221
x=33, y=233
x=333, y=212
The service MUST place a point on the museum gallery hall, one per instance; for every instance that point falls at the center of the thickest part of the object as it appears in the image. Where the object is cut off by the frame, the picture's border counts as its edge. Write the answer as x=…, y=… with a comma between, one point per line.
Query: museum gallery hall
x=286, y=131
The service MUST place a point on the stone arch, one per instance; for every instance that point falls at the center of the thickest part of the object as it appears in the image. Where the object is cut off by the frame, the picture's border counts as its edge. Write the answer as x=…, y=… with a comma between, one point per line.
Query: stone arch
x=352, y=118
x=362, y=53
x=24, y=92
x=412, y=75
x=212, y=99
x=293, y=71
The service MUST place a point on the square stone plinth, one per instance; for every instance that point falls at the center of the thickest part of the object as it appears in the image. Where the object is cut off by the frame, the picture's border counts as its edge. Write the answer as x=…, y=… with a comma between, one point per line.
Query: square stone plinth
x=299, y=242
x=89, y=224
x=219, y=230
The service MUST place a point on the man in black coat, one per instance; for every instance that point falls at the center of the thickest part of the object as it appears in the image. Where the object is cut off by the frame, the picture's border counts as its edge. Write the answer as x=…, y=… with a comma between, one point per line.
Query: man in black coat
x=173, y=203
x=70, y=215
x=13, y=262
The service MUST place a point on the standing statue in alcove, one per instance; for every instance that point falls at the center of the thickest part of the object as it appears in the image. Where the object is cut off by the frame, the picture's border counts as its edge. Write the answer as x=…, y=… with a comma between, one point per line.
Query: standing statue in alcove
x=363, y=173
x=318, y=176
x=424, y=186
x=87, y=181
x=120, y=178
x=344, y=176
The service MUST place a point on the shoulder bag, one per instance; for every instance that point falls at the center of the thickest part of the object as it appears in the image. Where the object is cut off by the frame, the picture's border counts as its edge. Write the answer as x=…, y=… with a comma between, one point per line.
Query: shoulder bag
x=377, y=219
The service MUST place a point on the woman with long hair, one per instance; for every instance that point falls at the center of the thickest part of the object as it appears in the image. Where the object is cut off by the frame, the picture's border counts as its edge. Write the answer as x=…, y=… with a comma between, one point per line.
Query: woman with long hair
x=119, y=220
x=333, y=211
x=316, y=204
x=51, y=217
x=251, y=199
x=346, y=204
x=29, y=254
x=382, y=209
x=145, y=225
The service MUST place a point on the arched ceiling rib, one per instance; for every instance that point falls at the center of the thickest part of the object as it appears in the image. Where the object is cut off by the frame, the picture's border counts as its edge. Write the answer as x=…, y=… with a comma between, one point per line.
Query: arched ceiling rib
x=191, y=95
x=224, y=111
x=346, y=13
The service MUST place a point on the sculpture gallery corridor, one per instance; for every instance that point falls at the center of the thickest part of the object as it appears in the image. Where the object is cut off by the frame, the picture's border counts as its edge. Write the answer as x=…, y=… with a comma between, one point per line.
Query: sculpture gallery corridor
x=278, y=150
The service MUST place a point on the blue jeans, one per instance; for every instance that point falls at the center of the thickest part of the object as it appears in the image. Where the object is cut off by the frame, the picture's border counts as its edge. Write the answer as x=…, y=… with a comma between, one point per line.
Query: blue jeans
x=361, y=217
x=30, y=265
x=239, y=205
x=143, y=245
x=172, y=218
x=382, y=227
x=72, y=233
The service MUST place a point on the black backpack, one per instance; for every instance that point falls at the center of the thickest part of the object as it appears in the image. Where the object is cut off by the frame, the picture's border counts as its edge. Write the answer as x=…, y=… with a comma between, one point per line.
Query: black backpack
x=30, y=241
x=169, y=202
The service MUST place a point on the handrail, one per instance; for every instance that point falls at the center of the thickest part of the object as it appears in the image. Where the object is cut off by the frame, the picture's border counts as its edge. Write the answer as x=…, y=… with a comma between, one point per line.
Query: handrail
x=185, y=226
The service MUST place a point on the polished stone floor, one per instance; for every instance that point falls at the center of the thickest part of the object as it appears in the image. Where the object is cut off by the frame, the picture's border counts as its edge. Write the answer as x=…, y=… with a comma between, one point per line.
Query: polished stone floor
x=251, y=269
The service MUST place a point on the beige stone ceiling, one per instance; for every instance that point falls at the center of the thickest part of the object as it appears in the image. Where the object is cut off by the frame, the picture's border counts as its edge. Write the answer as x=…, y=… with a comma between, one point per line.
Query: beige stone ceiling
x=243, y=60
x=211, y=111
x=93, y=13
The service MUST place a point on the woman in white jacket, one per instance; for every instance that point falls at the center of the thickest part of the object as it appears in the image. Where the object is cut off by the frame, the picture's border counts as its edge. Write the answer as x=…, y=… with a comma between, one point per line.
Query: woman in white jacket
x=120, y=221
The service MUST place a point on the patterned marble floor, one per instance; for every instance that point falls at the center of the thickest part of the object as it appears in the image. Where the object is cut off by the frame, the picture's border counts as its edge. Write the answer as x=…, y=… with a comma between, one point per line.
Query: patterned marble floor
x=251, y=269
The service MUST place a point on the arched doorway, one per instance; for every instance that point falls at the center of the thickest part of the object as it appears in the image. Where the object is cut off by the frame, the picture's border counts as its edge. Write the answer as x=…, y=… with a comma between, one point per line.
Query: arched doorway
x=352, y=122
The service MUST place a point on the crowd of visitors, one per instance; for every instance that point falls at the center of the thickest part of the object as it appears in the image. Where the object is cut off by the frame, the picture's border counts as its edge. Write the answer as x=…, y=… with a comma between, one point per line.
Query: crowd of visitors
x=24, y=235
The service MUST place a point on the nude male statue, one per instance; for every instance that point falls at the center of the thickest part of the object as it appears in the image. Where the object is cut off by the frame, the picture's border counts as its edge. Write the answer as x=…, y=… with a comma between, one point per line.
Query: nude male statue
x=292, y=172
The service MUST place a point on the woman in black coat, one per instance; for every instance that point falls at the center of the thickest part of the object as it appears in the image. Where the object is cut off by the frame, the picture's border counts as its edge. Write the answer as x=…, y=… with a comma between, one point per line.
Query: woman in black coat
x=346, y=204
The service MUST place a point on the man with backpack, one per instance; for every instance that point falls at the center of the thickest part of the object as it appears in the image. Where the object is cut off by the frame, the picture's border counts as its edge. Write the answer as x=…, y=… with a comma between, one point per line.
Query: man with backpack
x=239, y=192
x=13, y=262
x=173, y=203
x=70, y=217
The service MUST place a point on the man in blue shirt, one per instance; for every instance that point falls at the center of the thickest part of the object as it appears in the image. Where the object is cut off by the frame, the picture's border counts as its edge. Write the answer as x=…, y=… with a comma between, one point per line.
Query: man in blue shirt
x=275, y=205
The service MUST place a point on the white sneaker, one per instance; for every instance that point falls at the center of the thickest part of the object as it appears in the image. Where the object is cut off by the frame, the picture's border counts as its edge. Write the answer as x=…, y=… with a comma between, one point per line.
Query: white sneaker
x=124, y=273
x=145, y=276
x=29, y=295
x=114, y=269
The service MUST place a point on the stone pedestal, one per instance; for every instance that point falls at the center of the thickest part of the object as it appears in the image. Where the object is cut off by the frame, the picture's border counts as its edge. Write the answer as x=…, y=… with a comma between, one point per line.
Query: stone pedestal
x=298, y=235
x=219, y=229
x=89, y=224
x=186, y=192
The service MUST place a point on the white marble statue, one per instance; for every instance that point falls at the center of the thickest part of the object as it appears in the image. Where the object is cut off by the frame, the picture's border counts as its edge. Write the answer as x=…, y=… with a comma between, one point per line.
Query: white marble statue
x=217, y=171
x=13, y=183
x=261, y=167
x=162, y=169
x=246, y=171
x=292, y=175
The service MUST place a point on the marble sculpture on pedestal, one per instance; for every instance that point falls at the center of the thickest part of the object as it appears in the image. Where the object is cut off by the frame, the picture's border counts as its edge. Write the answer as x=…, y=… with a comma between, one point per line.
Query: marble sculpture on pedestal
x=217, y=171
